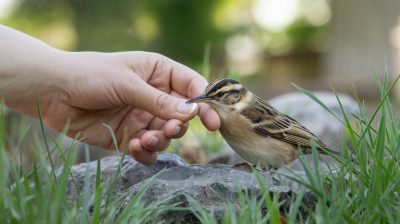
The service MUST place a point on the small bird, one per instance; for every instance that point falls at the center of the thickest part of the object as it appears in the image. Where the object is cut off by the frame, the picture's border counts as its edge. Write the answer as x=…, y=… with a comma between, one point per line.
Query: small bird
x=259, y=133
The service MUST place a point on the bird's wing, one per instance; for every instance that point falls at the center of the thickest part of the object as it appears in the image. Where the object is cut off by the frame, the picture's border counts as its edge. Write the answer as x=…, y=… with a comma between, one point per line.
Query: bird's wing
x=267, y=121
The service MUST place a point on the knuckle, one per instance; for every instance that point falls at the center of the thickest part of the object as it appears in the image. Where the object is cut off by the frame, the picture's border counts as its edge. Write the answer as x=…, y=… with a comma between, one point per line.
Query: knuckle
x=161, y=103
x=156, y=57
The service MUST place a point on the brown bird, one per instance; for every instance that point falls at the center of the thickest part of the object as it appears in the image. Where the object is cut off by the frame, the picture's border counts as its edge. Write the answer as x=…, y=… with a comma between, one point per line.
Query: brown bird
x=260, y=134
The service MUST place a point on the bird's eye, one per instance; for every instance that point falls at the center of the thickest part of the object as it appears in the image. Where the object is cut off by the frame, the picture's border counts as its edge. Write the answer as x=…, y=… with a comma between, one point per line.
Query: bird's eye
x=221, y=94
x=233, y=96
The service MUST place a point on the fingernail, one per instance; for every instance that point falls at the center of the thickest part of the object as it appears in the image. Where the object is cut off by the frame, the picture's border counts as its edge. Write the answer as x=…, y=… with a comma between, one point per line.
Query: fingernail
x=153, y=141
x=186, y=108
x=178, y=130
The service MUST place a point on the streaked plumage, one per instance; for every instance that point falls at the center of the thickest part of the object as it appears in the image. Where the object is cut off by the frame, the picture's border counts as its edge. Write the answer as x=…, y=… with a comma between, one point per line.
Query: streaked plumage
x=260, y=134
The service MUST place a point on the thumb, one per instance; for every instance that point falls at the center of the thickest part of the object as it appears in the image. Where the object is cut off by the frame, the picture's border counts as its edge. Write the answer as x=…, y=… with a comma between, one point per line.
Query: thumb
x=164, y=105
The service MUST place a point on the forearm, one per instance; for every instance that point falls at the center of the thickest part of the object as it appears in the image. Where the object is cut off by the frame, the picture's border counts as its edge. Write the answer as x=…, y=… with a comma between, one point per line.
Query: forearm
x=26, y=69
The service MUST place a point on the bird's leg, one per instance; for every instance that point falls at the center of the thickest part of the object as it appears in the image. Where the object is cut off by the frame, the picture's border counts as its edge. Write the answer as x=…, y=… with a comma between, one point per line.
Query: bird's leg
x=251, y=166
x=271, y=168
x=242, y=165
x=245, y=166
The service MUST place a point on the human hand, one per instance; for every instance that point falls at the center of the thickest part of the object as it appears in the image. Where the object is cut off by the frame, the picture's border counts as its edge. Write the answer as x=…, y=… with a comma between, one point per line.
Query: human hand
x=140, y=95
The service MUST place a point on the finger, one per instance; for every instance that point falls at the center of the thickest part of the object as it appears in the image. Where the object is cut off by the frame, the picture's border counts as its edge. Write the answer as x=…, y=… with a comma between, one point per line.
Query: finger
x=176, y=94
x=161, y=104
x=183, y=79
x=172, y=128
x=209, y=117
x=156, y=124
x=175, y=128
x=140, y=154
x=154, y=141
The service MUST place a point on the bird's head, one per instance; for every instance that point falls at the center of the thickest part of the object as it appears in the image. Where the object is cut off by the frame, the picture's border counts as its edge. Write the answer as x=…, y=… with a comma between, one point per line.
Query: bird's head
x=224, y=95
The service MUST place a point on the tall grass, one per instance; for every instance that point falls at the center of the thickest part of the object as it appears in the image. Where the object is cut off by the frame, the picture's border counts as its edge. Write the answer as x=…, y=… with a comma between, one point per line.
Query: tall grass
x=364, y=189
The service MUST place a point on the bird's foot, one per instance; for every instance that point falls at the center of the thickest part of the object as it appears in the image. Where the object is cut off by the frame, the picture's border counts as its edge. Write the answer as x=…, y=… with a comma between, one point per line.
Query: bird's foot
x=242, y=165
x=270, y=168
x=245, y=167
x=248, y=166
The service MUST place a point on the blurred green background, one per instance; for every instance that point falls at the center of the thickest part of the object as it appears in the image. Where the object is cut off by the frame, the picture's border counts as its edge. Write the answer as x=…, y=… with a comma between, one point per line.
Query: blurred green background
x=310, y=42
x=177, y=28
x=245, y=36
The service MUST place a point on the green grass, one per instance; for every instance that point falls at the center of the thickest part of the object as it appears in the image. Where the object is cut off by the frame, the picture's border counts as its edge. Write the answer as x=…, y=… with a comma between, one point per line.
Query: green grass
x=365, y=189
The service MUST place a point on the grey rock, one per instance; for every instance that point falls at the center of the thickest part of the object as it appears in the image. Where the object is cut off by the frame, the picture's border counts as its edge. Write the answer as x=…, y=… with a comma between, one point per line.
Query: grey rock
x=209, y=185
x=124, y=173
x=134, y=172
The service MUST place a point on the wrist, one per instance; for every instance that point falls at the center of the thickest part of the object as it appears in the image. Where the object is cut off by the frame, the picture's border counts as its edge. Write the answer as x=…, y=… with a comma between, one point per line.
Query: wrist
x=32, y=75
x=29, y=68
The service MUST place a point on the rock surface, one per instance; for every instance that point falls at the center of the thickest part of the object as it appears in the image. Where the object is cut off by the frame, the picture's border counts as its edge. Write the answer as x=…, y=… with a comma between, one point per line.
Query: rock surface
x=209, y=185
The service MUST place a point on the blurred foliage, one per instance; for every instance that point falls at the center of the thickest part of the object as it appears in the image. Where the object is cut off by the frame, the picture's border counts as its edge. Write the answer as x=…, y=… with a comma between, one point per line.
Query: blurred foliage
x=180, y=29
x=177, y=28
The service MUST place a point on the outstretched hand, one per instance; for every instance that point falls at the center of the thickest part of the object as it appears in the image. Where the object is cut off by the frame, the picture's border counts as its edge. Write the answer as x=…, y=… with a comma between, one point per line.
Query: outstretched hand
x=140, y=95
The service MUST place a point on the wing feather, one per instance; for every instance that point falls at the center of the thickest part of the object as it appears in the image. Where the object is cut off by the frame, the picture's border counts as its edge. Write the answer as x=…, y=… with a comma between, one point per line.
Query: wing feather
x=269, y=122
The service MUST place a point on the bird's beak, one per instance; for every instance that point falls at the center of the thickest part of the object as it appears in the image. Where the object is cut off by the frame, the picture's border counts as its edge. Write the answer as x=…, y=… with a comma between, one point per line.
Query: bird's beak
x=198, y=99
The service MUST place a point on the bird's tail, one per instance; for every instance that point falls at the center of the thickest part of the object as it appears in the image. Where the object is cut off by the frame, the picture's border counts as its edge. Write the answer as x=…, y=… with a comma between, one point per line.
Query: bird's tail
x=336, y=154
x=327, y=151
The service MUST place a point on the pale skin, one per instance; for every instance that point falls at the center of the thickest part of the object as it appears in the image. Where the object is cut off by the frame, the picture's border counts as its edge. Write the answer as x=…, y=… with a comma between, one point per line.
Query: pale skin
x=140, y=95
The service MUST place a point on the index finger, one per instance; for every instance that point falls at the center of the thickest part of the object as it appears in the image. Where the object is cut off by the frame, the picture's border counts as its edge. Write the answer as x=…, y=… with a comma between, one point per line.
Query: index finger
x=185, y=80
x=188, y=83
